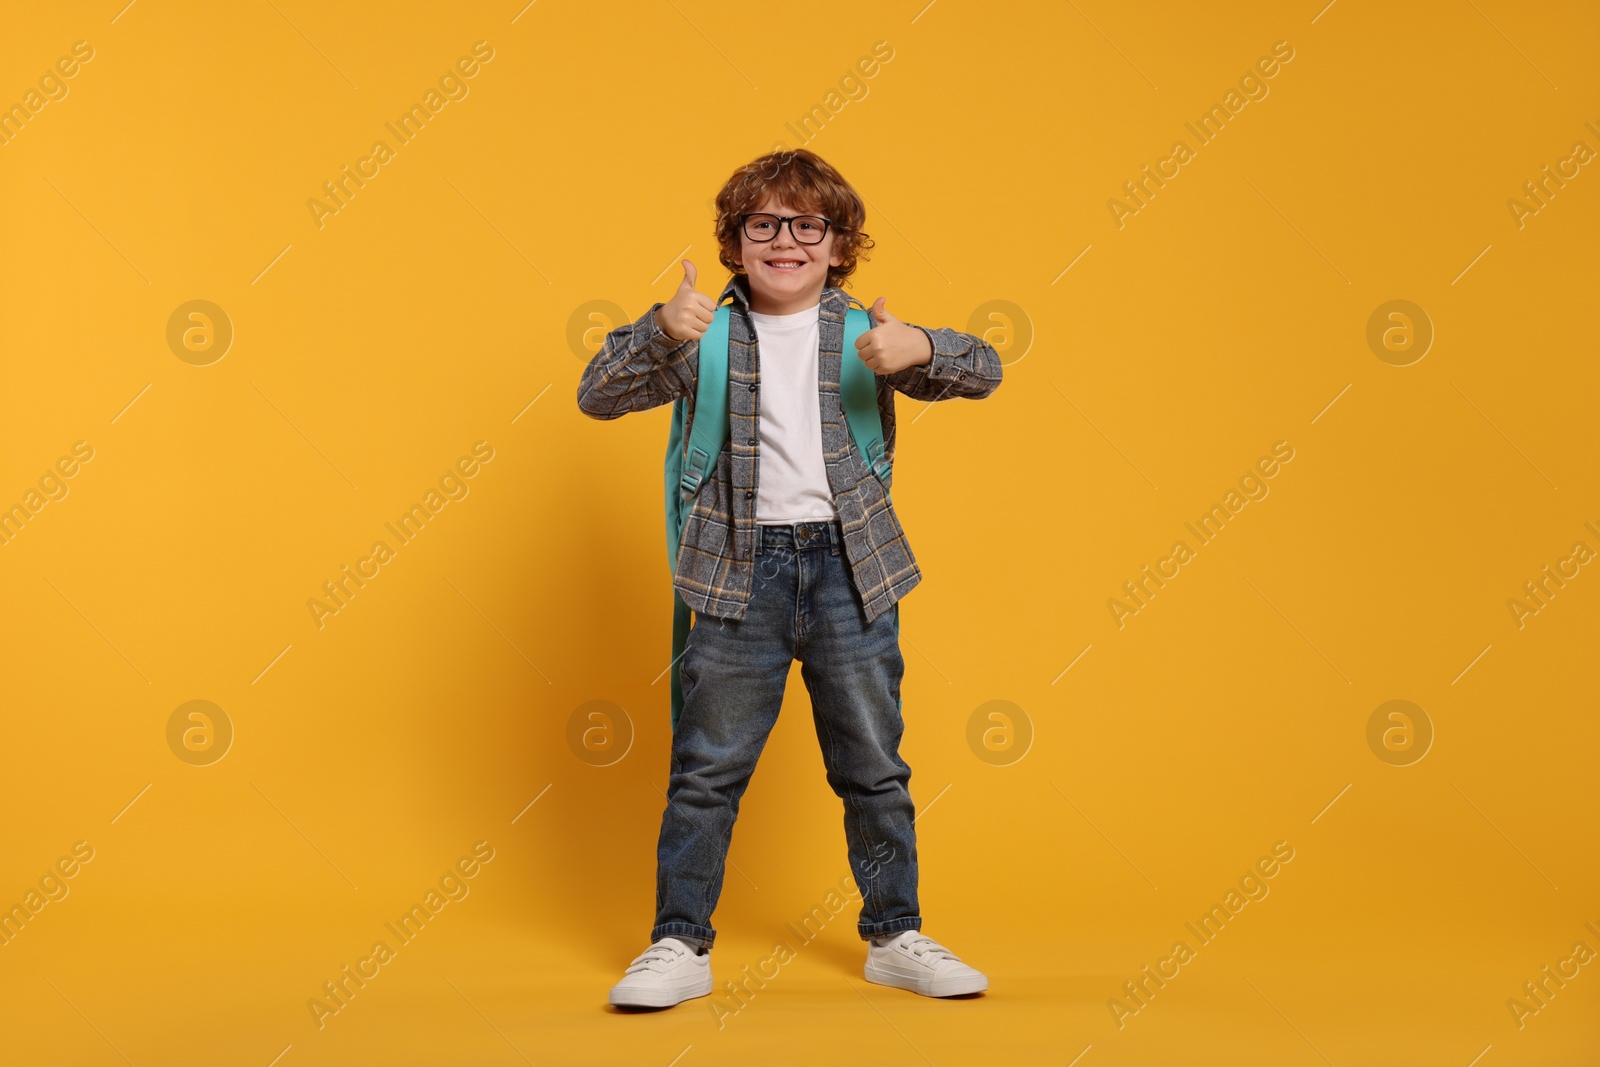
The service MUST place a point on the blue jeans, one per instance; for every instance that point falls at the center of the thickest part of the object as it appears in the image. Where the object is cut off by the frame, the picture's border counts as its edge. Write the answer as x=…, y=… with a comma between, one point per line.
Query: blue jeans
x=803, y=605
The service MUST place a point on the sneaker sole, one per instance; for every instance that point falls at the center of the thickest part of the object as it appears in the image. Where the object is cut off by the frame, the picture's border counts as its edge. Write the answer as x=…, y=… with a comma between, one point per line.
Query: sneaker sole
x=944, y=987
x=661, y=998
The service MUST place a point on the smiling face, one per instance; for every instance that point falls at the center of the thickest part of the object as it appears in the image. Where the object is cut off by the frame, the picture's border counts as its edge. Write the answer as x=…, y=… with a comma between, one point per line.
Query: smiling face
x=785, y=275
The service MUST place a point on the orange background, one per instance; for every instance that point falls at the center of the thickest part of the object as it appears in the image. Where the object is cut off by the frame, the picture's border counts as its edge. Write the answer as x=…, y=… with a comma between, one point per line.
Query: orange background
x=451, y=300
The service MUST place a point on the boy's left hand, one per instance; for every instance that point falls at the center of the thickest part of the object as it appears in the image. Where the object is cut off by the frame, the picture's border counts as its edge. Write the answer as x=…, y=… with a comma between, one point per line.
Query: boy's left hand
x=892, y=345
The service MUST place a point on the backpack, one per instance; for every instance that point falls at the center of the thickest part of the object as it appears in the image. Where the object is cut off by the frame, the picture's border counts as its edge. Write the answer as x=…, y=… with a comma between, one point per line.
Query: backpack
x=858, y=393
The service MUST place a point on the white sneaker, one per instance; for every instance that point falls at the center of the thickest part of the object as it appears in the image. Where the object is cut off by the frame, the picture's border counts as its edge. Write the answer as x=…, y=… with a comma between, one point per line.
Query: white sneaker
x=912, y=960
x=664, y=974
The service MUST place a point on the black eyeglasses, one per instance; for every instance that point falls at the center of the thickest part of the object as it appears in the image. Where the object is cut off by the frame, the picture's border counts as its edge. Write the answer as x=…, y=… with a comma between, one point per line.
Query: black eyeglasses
x=805, y=229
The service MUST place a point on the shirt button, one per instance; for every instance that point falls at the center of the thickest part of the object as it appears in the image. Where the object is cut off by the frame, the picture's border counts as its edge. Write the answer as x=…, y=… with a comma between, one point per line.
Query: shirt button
x=749, y=493
x=752, y=440
x=752, y=387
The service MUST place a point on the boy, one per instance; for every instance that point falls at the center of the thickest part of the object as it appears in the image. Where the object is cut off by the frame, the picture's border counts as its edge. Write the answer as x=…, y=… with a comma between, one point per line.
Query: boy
x=792, y=550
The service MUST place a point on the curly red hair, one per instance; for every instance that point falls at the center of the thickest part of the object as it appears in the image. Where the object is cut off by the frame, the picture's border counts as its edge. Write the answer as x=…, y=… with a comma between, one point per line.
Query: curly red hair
x=804, y=179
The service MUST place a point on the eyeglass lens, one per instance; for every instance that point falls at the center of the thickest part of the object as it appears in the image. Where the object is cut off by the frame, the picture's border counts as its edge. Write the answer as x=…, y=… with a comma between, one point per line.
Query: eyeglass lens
x=806, y=229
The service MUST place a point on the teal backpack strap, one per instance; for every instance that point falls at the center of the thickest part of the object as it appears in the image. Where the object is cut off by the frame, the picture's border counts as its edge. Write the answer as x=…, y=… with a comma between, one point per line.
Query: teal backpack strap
x=708, y=435
x=858, y=391
x=680, y=637
x=685, y=473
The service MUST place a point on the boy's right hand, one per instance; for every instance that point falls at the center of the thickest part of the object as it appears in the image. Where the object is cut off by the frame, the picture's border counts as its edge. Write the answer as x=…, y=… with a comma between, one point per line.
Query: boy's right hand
x=687, y=315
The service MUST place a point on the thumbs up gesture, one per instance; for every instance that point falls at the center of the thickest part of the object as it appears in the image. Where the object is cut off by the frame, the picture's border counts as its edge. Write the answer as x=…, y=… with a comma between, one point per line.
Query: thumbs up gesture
x=686, y=316
x=891, y=345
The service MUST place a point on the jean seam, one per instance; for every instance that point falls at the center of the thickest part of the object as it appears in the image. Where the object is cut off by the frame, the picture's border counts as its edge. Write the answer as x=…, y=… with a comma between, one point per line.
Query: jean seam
x=683, y=930
x=872, y=895
x=905, y=922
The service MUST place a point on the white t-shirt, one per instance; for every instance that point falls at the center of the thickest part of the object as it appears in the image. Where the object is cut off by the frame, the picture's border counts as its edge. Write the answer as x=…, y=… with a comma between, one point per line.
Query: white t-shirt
x=793, y=479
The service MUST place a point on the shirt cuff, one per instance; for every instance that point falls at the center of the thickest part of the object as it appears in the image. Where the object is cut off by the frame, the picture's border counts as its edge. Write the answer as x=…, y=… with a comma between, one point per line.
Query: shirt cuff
x=944, y=364
x=649, y=332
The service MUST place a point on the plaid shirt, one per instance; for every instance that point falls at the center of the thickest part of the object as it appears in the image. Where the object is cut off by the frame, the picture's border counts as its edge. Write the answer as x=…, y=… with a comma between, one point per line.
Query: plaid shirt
x=640, y=367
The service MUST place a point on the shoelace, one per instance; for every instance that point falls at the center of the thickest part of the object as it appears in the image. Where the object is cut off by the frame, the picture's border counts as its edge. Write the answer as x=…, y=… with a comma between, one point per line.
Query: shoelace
x=656, y=957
